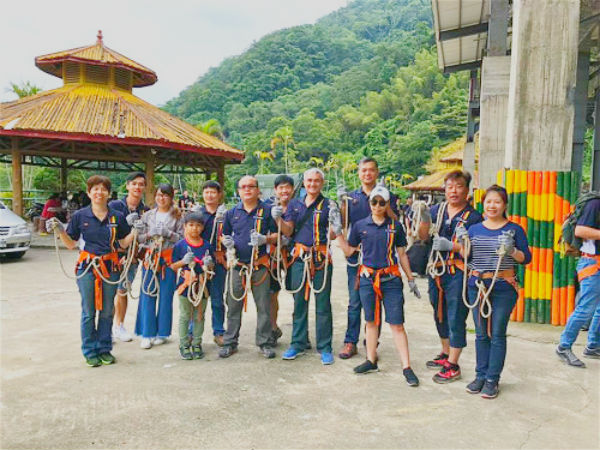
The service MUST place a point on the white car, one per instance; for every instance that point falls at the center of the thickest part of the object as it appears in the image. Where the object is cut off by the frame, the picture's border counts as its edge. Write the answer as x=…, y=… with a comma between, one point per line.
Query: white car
x=15, y=236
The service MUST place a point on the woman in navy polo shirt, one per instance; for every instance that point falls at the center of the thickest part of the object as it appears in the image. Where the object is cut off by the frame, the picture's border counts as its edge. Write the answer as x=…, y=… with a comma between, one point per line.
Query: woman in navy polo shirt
x=100, y=227
x=490, y=239
x=383, y=244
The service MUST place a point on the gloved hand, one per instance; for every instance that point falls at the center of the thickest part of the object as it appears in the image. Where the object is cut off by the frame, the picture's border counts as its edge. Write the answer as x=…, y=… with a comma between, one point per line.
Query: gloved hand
x=257, y=239
x=208, y=262
x=507, y=240
x=342, y=193
x=412, y=284
x=139, y=226
x=131, y=218
x=188, y=258
x=461, y=233
x=164, y=232
x=285, y=241
x=196, y=209
x=276, y=212
x=54, y=224
x=441, y=244
x=227, y=241
x=220, y=214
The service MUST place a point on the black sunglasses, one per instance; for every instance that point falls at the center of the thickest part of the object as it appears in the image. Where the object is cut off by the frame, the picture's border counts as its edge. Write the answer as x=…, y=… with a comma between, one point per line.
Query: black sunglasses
x=376, y=202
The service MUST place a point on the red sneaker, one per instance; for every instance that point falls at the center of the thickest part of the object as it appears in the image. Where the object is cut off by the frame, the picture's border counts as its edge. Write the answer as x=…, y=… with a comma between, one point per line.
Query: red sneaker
x=438, y=362
x=448, y=374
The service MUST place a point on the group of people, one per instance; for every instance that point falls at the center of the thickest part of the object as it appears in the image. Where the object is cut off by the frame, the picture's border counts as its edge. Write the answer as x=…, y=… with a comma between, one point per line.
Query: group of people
x=262, y=246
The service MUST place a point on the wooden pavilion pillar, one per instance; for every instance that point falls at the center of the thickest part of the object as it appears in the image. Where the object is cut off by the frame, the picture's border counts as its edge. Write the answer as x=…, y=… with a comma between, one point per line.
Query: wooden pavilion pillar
x=63, y=174
x=17, y=178
x=150, y=162
x=221, y=175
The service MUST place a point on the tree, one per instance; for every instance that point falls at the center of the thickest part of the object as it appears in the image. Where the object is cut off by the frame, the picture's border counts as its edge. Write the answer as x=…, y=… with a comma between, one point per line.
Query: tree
x=285, y=137
x=212, y=127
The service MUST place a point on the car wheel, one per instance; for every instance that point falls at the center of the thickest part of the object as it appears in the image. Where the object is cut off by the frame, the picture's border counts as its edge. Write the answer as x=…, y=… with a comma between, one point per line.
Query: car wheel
x=14, y=255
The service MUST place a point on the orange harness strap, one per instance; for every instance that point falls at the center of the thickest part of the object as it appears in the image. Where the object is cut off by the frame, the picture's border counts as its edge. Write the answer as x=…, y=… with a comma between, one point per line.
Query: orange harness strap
x=589, y=270
x=113, y=257
x=165, y=255
x=507, y=275
x=301, y=249
x=368, y=272
x=263, y=261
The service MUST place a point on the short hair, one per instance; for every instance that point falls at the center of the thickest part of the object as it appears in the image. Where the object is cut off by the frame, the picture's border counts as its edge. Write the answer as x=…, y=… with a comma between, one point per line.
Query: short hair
x=315, y=170
x=135, y=175
x=194, y=217
x=95, y=180
x=211, y=184
x=283, y=179
x=246, y=176
x=458, y=174
x=368, y=159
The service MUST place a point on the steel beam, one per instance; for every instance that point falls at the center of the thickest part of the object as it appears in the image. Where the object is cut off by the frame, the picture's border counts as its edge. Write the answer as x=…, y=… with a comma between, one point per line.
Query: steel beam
x=455, y=33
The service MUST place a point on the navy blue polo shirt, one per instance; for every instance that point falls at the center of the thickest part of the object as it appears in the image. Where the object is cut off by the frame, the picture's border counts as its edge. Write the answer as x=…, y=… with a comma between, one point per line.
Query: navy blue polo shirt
x=239, y=224
x=199, y=251
x=209, y=220
x=121, y=206
x=98, y=236
x=468, y=215
x=590, y=217
x=379, y=242
x=359, y=208
x=308, y=234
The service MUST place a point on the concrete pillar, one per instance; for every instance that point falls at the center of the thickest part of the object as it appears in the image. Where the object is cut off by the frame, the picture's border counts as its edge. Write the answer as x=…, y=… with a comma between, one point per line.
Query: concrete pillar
x=545, y=40
x=495, y=77
x=468, y=162
x=150, y=162
x=63, y=174
x=17, y=178
x=596, y=153
x=581, y=98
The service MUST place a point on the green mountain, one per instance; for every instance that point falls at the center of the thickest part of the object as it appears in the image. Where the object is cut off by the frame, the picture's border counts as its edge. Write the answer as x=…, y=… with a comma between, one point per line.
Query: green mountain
x=363, y=80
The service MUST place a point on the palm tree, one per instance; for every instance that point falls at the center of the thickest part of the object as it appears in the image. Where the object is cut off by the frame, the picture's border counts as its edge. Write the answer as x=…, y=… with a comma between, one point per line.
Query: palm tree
x=262, y=157
x=211, y=127
x=285, y=137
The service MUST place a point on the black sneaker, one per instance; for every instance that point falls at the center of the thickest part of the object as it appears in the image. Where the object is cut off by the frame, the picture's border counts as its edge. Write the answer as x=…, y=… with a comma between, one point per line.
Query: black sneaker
x=366, y=367
x=490, y=389
x=475, y=386
x=186, y=353
x=227, y=350
x=438, y=362
x=267, y=352
x=567, y=355
x=107, y=358
x=593, y=353
x=197, y=352
x=94, y=361
x=411, y=378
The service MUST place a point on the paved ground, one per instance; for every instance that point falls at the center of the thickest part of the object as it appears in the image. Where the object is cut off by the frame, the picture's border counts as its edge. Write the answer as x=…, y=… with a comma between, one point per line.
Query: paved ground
x=153, y=400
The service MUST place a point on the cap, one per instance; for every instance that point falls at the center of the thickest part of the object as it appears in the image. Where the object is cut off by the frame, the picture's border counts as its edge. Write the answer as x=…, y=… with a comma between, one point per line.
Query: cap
x=381, y=192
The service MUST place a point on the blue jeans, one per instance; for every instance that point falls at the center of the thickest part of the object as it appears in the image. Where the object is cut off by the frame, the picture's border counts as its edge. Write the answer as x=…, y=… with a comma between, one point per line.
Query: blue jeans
x=96, y=339
x=130, y=277
x=393, y=299
x=454, y=311
x=588, y=307
x=354, y=307
x=150, y=323
x=491, y=352
x=441, y=325
x=216, y=286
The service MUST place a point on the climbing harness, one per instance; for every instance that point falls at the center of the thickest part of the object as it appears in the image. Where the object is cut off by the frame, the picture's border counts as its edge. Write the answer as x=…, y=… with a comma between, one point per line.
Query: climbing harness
x=436, y=266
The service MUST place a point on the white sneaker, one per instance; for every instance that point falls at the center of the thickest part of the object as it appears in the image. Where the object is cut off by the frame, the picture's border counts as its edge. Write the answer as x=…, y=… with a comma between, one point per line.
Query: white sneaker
x=121, y=333
x=158, y=341
x=146, y=343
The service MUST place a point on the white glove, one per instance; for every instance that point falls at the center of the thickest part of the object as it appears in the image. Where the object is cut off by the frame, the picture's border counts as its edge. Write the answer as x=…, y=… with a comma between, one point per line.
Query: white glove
x=441, y=244
x=131, y=218
x=507, y=240
x=207, y=262
x=342, y=193
x=220, y=214
x=461, y=233
x=257, y=239
x=412, y=284
x=196, y=209
x=164, y=232
x=227, y=241
x=188, y=258
x=139, y=226
x=276, y=212
x=54, y=224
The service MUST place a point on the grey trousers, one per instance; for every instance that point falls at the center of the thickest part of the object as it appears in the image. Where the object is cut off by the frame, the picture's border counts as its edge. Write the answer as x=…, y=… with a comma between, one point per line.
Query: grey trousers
x=262, y=299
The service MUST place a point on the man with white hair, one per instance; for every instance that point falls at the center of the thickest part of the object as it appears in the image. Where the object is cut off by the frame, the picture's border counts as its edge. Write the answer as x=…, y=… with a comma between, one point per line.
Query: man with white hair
x=308, y=221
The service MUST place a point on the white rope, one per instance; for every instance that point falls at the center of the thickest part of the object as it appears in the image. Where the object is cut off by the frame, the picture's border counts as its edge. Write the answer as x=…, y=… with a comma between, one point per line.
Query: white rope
x=435, y=257
x=246, y=271
x=197, y=289
x=153, y=288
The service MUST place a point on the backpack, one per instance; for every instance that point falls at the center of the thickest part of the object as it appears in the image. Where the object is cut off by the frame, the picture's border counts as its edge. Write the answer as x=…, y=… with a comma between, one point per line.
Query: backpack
x=568, y=243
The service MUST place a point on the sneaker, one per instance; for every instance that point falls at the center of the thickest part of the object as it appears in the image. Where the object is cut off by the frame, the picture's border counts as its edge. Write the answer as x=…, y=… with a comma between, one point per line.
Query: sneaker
x=411, y=378
x=227, y=350
x=159, y=341
x=567, y=355
x=291, y=353
x=277, y=333
x=475, y=386
x=186, y=353
x=448, y=374
x=348, y=351
x=146, y=343
x=120, y=333
x=366, y=367
x=107, y=358
x=94, y=361
x=593, y=353
x=438, y=362
x=490, y=389
x=327, y=358
x=218, y=340
x=267, y=352
x=197, y=352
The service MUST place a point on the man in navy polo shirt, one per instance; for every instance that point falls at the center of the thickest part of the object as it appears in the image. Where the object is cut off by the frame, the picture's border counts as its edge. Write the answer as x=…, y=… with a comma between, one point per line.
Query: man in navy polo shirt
x=132, y=207
x=247, y=228
x=588, y=273
x=357, y=203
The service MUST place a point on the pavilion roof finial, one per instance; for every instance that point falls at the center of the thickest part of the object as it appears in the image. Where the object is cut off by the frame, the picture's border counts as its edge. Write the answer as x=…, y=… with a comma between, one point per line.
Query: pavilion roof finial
x=99, y=36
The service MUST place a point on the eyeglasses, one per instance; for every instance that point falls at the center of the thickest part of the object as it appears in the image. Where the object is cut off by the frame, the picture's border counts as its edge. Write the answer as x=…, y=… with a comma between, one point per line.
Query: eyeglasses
x=247, y=186
x=376, y=202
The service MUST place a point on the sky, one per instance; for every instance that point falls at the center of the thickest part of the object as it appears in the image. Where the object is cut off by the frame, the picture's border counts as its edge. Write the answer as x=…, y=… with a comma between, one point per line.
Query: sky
x=178, y=39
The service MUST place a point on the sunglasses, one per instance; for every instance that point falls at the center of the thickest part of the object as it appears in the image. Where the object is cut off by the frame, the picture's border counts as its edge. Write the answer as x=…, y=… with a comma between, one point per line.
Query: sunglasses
x=376, y=202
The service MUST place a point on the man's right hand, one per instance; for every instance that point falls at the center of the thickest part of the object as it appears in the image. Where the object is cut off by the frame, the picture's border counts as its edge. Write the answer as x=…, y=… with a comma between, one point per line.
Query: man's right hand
x=131, y=218
x=227, y=241
x=277, y=212
x=54, y=224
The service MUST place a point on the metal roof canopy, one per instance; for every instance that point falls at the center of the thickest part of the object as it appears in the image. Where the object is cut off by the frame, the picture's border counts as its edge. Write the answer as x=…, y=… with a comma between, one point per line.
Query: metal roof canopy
x=460, y=28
